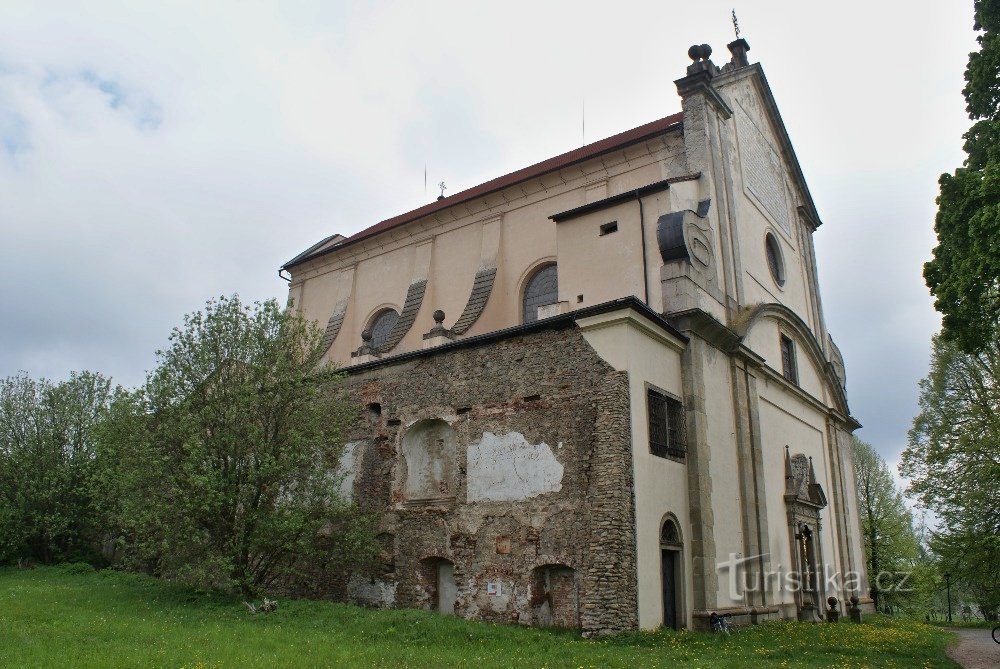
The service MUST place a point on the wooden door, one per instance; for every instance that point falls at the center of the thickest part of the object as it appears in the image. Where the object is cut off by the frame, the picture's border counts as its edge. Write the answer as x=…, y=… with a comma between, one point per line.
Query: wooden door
x=668, y=562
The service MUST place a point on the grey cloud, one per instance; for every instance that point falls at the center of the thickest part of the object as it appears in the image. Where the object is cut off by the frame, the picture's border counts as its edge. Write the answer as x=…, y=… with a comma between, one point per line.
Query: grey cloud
x=190, y=148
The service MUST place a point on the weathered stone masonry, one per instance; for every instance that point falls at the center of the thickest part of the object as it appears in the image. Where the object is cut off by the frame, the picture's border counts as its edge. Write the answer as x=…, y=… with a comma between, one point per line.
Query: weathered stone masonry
x=525, y=487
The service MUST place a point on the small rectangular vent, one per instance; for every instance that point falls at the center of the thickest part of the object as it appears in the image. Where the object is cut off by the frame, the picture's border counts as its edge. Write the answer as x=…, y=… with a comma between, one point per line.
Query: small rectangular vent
x=608, y=228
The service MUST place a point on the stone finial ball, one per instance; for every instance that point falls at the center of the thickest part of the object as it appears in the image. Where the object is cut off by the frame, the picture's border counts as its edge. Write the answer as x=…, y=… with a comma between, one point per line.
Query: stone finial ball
x=832, y=601
x=699, y=52
x=366, y=334
x=854, y=600
x=438, y=317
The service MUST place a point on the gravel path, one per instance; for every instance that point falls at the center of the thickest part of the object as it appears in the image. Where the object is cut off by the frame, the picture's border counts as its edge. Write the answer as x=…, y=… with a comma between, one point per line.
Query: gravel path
x=975, y=649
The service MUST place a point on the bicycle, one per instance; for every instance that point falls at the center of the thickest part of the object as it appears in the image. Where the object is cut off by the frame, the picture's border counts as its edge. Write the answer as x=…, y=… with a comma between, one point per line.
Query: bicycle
x=996, y=634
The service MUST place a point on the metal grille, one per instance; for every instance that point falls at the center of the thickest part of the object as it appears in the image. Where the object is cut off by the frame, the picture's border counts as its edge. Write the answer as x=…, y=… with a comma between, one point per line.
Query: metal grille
x=666, y=425
x=542, y=289
x=669, y=534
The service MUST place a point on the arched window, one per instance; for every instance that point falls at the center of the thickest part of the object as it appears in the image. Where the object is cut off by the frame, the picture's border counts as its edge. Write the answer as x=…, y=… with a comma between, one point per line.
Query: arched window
x=669, y=534
x=381, y=325
x=775, y=262
x=542, y=288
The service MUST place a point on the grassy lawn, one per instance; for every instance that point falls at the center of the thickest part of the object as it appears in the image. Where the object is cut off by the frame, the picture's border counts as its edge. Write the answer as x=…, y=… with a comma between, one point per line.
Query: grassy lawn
x=58, y=618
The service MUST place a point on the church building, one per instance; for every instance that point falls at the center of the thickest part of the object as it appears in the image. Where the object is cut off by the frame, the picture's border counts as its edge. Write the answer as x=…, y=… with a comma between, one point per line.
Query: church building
x=599, y=392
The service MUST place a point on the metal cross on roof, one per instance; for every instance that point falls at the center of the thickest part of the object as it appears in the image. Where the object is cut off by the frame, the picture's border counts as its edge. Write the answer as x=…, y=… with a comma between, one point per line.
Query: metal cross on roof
x=442, y=187
x=736, y=24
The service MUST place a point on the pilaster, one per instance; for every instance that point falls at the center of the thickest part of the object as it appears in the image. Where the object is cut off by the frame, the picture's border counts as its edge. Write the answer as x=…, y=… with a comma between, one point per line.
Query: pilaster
x=753, y=492
x=705, y=578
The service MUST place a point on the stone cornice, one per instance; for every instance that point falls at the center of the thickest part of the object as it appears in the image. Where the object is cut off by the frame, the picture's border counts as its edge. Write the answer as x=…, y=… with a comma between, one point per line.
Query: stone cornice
x=627, y=316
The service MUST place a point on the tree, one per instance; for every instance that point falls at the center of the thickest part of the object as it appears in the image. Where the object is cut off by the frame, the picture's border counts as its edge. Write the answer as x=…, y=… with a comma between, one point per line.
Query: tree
x=953, y=463
x=964, y=274
x=221, y=470
x=47, y=464
x=886, y=526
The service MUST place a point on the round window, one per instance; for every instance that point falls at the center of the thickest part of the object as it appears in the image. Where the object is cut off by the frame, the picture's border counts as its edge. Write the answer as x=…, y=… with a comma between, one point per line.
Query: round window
x=775, y=262
x=381, y=325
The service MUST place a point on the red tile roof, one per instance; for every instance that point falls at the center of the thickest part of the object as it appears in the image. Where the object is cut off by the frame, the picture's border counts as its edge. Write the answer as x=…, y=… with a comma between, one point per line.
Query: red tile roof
x=558, y=162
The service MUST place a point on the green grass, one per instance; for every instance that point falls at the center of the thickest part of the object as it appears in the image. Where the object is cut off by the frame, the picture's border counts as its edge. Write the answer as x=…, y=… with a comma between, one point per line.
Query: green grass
x=71, y=617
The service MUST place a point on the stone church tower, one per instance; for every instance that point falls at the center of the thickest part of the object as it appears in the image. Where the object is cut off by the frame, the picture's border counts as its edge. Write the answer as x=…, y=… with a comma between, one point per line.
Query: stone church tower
x=599, y=392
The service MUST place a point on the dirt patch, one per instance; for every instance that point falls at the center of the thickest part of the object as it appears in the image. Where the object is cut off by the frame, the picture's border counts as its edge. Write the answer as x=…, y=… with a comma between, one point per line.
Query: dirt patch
x=975, y=649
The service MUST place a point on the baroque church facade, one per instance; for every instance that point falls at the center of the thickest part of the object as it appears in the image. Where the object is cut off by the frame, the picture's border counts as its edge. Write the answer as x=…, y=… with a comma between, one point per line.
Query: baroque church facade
x=599, y=392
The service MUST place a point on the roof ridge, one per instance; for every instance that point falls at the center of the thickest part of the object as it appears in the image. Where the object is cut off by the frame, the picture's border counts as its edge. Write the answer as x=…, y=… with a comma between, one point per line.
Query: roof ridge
x=580, y=154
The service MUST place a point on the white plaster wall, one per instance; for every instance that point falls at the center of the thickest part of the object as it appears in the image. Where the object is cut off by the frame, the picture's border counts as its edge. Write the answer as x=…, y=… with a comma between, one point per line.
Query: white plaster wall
x=764, y=340
x=506, y=468
x=755, y=220
x=347, y=468
x=385, y=265
x=631, y=343
x=727, y=499
x=857, y=557
x=600, y=267
x=372, y=592
x=456, y=259
x=784, y=420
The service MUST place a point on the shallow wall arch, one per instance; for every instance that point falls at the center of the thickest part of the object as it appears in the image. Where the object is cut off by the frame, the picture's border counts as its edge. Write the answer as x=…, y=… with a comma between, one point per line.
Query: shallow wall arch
x=808, y=344
x=373, y=315
x=429, y=451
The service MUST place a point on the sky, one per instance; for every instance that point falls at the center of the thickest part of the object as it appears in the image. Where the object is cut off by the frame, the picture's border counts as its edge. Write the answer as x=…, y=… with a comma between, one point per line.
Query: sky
x=154, y=155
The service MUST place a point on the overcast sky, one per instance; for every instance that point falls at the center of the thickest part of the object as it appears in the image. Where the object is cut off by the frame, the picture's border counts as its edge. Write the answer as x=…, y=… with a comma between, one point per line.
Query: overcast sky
x=153, y=156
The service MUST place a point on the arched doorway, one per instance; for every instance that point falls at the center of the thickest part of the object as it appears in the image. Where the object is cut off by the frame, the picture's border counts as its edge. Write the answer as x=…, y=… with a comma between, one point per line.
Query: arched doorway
x=670, y=570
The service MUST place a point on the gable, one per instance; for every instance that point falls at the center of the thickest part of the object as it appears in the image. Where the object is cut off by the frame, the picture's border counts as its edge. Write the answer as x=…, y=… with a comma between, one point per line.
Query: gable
x=773, y=177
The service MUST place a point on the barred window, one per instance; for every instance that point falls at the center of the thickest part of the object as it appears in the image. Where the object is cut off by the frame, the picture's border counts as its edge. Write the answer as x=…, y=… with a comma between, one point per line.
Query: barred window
x=788, y=367
x=666, y=425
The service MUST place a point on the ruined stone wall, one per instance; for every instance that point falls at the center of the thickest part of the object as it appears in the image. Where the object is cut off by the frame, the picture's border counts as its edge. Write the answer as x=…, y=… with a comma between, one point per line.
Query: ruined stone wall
x=524, y=451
